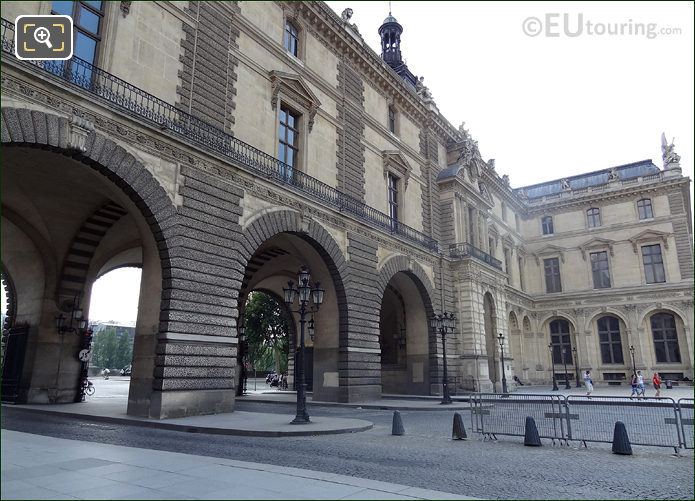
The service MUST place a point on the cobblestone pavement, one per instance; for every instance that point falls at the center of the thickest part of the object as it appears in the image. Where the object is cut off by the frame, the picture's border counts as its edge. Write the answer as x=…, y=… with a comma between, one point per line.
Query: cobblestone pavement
x=425, y=457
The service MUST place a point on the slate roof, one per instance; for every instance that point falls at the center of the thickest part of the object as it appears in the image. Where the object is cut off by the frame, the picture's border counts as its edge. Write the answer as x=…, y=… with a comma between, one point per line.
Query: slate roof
x=596, y=178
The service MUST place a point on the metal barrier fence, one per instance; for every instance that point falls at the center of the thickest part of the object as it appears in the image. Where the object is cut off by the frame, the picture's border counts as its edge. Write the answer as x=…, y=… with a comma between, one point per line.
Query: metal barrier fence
x=648, y=421
x=659, y=422
x=685, y=408
x=495, y=414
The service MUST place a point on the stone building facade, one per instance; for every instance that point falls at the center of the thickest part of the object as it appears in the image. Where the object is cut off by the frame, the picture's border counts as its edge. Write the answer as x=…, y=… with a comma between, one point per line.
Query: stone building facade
x=221, y=146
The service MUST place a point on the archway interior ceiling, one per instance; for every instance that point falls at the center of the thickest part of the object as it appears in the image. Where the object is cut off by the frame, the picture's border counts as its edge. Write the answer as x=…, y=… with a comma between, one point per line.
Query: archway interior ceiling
x=53, y=193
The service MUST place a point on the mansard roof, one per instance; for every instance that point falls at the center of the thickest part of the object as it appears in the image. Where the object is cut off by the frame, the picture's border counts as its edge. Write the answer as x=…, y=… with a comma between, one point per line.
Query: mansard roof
x=596, y=178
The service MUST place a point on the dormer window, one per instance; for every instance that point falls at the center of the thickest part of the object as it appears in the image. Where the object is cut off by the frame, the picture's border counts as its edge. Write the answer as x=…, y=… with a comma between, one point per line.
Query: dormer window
x=291, y=41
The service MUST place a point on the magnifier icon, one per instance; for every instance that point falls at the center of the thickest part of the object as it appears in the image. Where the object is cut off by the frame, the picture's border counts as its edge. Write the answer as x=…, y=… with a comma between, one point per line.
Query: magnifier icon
x=42, y=35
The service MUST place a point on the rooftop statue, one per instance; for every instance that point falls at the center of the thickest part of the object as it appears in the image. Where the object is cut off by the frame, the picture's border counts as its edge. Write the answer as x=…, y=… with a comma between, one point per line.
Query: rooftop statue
x=670, y=157
x=422, y=90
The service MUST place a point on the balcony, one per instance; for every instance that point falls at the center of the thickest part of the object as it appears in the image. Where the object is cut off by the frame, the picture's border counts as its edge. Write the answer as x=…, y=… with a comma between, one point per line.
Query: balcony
x=125, y=98
x=464, y=250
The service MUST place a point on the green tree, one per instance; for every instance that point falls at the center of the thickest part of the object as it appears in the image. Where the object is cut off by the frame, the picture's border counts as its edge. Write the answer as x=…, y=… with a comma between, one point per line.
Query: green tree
x=124, y=350
x=267, y=332
x=105, y=348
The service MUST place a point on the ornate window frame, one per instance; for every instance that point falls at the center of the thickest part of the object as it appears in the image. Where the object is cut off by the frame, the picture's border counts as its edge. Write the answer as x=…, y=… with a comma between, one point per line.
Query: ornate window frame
x=395, y=163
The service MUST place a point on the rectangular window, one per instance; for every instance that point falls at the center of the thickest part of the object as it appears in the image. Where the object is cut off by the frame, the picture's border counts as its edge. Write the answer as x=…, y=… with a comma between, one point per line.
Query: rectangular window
x=288, y=132
x=392, y=120
x=504, y=212
x=291, y=41
x=665, y=338
x=547, y=224
x=552, y=275
x=644, y=209
x=609, y=339
x=87, y=18
x=653, y=264
x=516, y=223
x=393, y=199
x=593, y=217
x=472, y=223
x=599, y=270
x=560, y=339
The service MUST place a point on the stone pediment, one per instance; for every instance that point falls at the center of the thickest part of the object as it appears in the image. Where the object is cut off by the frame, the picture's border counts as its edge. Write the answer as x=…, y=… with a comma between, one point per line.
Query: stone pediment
x=648, y=235
x=596, y=243
x=295, y=89
x=549, y=250
x=395, y=163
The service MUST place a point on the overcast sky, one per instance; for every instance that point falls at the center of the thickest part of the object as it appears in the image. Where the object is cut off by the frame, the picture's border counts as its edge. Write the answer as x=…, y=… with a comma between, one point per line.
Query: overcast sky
x=544, y=107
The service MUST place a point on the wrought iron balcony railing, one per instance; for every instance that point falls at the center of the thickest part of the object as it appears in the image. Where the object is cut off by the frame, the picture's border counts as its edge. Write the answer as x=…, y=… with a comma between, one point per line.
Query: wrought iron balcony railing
x=133, y=101
x=461, y=250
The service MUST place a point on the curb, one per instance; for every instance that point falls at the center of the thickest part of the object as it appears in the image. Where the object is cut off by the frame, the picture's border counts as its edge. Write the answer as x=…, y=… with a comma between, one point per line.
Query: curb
x=187, y=428
x=360, y=406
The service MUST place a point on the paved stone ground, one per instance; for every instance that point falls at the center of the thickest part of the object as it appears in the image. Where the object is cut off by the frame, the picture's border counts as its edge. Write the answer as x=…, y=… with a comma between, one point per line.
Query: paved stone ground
x=425, y=457
x=39, y=467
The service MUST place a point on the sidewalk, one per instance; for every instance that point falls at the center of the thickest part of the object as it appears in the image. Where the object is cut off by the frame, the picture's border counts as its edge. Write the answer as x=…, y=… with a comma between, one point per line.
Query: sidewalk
x=259, y=424
x=38, y=467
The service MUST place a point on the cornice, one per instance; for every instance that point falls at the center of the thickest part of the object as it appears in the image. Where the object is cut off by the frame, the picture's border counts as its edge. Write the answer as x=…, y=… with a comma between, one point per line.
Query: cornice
x=606, y=196
x=325, y=23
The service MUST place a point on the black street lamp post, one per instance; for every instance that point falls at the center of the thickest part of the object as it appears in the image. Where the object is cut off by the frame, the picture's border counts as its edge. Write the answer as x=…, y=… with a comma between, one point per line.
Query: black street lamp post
x=443, y=323
x=306, y=295
x=242, y=357
x=552, y=364
x=564, y=362
x=576, y=367
x=632, y=355
x=504, y=376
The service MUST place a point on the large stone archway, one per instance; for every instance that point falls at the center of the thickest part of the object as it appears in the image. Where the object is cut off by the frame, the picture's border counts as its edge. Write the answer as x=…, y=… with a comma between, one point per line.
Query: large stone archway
x=409, y=362
x=275, y=245
x=183, y=282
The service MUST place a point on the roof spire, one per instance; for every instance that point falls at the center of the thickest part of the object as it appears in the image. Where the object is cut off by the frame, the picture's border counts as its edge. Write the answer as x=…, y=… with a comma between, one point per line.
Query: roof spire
x=389, y=7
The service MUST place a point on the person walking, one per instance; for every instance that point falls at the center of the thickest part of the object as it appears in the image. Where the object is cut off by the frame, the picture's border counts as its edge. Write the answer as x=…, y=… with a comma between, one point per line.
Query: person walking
x=640, y=384
x=633, y=384
x=656, y=381
x=588, y=383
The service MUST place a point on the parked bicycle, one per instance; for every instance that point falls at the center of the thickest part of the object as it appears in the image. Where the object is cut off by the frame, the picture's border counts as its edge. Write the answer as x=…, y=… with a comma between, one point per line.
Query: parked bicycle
x=88, y=387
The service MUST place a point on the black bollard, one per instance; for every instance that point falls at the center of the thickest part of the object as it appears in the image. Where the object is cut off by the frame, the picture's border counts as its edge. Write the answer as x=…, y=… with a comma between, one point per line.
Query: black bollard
x=397, y=427
x=621, y=442
x=531, y=436
x=459, y=432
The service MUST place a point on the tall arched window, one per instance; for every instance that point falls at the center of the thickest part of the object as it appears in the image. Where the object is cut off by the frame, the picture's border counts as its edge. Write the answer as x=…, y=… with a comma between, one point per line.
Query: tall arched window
x=560, y=339
x=665, y=338
x=609, y=340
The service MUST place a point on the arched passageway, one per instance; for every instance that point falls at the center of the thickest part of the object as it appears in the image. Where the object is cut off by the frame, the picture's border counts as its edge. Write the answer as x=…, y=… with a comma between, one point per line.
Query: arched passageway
x=404, y=336
x=64, y=224
x=274, y=262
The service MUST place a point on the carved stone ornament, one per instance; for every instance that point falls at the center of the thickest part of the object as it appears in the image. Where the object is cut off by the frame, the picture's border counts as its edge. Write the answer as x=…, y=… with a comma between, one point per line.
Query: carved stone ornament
x=395, y=163
x=80, y=128
x=596, y=243
x=125, y=8
x=294, y=89
x=649, y=235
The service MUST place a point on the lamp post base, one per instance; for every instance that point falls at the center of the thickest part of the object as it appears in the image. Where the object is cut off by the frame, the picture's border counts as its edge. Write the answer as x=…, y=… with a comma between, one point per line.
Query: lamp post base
x=301, y=420
x=446, y=401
